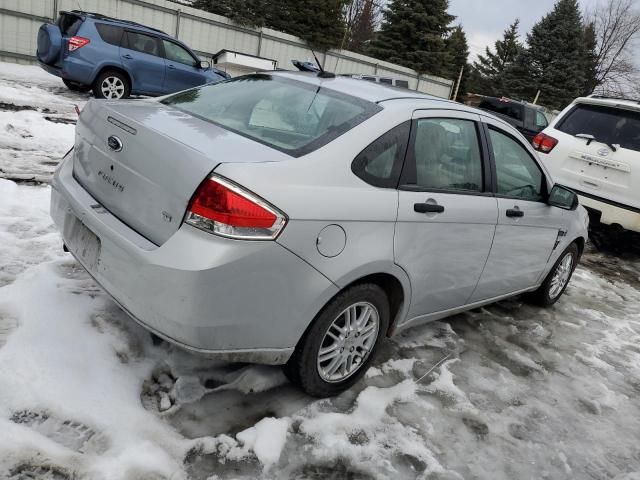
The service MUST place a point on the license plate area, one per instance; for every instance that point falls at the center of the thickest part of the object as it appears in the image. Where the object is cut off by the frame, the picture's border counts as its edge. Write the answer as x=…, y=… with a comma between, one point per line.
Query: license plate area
x=82, y=242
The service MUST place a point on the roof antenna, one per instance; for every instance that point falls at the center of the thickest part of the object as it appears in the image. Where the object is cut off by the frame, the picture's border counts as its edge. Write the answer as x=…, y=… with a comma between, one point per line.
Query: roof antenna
x=79, y=6
x=322, y=73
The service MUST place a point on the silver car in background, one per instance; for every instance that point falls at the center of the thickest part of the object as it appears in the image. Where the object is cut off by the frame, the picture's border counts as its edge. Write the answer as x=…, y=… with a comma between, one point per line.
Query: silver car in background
x=290, y=219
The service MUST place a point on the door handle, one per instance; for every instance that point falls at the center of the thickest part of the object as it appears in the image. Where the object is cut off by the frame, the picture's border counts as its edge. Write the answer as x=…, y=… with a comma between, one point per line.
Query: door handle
x=171, y=67
x=515, y=213
x=127, y=56
x=428, y=208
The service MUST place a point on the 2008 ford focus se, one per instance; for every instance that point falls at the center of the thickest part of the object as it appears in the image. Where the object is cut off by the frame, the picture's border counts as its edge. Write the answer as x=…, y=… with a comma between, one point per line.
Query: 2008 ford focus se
x=289, y=219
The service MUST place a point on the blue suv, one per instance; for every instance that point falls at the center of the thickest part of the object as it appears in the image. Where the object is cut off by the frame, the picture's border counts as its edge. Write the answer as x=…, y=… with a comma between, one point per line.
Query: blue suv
x=116, y=58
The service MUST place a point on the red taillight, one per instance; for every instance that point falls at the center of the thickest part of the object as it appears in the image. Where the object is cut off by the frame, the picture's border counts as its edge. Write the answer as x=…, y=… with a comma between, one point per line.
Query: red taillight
x=77, y=42
x=544, y=143
x=220, y=207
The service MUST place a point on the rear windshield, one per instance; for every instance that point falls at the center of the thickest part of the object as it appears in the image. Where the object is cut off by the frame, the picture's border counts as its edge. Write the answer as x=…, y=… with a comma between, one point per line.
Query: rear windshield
x=291, y=116
x=606, y=124
x=503, y=107
x=69, y=24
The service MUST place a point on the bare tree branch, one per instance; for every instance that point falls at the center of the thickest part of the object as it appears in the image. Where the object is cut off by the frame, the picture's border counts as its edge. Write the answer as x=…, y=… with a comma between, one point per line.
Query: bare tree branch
x=617, y=27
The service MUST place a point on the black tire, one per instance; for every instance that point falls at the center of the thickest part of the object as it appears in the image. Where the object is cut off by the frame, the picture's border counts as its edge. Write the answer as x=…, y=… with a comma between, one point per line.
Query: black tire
x=302, y=368
x=543, y=296
x=114, y=74
x=76, y=87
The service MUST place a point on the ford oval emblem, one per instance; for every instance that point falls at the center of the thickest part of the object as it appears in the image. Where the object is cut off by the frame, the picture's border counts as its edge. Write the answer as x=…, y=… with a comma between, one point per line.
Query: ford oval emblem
x=603, y=152
x=114, y=143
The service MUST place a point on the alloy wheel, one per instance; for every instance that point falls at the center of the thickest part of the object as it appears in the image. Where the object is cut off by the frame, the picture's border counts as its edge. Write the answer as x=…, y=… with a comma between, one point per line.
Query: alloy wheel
x=561, y=276
x=112, y=88
x=348, y=342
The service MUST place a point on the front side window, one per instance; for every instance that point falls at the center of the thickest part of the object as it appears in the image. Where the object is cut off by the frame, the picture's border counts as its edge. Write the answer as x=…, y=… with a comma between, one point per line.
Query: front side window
x=178, y=54
x=292, y=116
x=380, y=163
x=141, y=42
x=606, y=124
x=447, y=155
x=517, y=173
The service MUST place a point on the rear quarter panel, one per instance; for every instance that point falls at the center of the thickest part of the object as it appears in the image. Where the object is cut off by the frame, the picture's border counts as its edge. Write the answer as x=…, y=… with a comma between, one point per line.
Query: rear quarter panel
x=320, y=189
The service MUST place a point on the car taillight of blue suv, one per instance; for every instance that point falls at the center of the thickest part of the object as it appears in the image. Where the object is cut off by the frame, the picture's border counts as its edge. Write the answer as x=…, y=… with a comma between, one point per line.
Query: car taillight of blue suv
x=117, y=58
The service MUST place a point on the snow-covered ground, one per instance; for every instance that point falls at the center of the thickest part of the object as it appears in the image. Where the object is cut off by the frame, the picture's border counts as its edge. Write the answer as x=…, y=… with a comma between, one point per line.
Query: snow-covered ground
x=524, y=393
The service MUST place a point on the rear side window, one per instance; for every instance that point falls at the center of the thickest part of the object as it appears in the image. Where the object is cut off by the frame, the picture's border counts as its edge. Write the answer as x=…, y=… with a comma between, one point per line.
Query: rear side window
x=503, y=107
x=402, y=83
x=69, y=24
x=541, y=120
x=110, y=33
x=381, y=162
x=141, y=42
x=386, y=81
x=447, y=155
x=606, y=124
x=291, y=116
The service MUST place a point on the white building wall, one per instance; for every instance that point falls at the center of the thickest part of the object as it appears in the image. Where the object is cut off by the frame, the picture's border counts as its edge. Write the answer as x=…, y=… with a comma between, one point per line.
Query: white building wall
x=204, y=32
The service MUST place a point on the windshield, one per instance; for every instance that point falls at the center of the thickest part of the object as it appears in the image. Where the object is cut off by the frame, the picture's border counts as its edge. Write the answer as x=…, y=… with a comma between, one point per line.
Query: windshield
x=288, y=115
x=606, y=124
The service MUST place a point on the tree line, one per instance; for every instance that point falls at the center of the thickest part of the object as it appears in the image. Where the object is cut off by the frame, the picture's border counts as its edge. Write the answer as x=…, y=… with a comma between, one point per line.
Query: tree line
x=565, y=55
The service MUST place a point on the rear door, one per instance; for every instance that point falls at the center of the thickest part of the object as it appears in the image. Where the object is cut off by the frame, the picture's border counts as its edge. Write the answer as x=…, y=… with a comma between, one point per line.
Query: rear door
x=143, y=57
x=183, y=70
x=447, y=215
x=527, y=227
x=609, y=165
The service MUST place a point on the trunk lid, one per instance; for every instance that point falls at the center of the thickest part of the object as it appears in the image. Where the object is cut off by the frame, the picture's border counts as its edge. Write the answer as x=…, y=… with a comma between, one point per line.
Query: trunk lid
x=142, y=161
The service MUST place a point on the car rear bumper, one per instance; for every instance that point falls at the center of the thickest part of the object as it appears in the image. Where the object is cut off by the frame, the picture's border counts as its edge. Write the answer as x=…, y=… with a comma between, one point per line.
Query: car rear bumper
x=613, y=213
x=73, y=69
x=230, y=299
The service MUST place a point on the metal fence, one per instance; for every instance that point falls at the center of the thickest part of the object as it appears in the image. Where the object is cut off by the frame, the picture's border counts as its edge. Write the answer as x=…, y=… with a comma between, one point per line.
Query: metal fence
x=206, y=33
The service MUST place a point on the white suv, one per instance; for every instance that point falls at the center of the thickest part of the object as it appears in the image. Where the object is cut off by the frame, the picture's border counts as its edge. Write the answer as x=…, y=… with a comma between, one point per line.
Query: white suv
x=593, y=147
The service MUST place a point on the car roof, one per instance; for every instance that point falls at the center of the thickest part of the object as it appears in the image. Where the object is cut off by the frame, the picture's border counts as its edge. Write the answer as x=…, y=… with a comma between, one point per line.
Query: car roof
x=615, y=102
x=119, y=22
x=379, y=93
x=370, y=91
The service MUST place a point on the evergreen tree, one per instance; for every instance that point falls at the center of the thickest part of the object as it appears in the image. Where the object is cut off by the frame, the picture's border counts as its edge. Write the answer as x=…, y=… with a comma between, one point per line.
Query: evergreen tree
x=249, y=13
x=556, y=55
x=413, y=34
x=458, y=50
x=516, y=79
x=361, y=24
x=590, y=66
x=491, y=66
x=319, y=22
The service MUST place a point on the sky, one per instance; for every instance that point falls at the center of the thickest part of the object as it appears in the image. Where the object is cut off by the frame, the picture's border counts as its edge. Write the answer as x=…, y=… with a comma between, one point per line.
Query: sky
x=484, y=21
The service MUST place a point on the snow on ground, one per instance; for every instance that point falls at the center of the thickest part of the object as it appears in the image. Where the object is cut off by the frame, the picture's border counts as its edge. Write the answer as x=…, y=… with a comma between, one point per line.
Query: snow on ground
x=522, y=393
x=37, y=117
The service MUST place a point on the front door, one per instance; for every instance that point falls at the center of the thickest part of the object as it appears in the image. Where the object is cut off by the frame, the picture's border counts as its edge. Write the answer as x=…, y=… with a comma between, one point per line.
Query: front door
x=446, y=215
x=183, y=70
x=142, y=57
x=527, y=226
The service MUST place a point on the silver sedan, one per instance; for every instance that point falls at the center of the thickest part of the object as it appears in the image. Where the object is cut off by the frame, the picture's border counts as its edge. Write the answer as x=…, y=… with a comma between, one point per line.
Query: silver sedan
x=293, y=219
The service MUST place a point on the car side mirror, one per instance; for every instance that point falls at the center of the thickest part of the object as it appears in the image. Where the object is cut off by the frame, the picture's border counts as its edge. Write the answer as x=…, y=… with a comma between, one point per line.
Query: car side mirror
x=562, y=197
x=205, y=65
